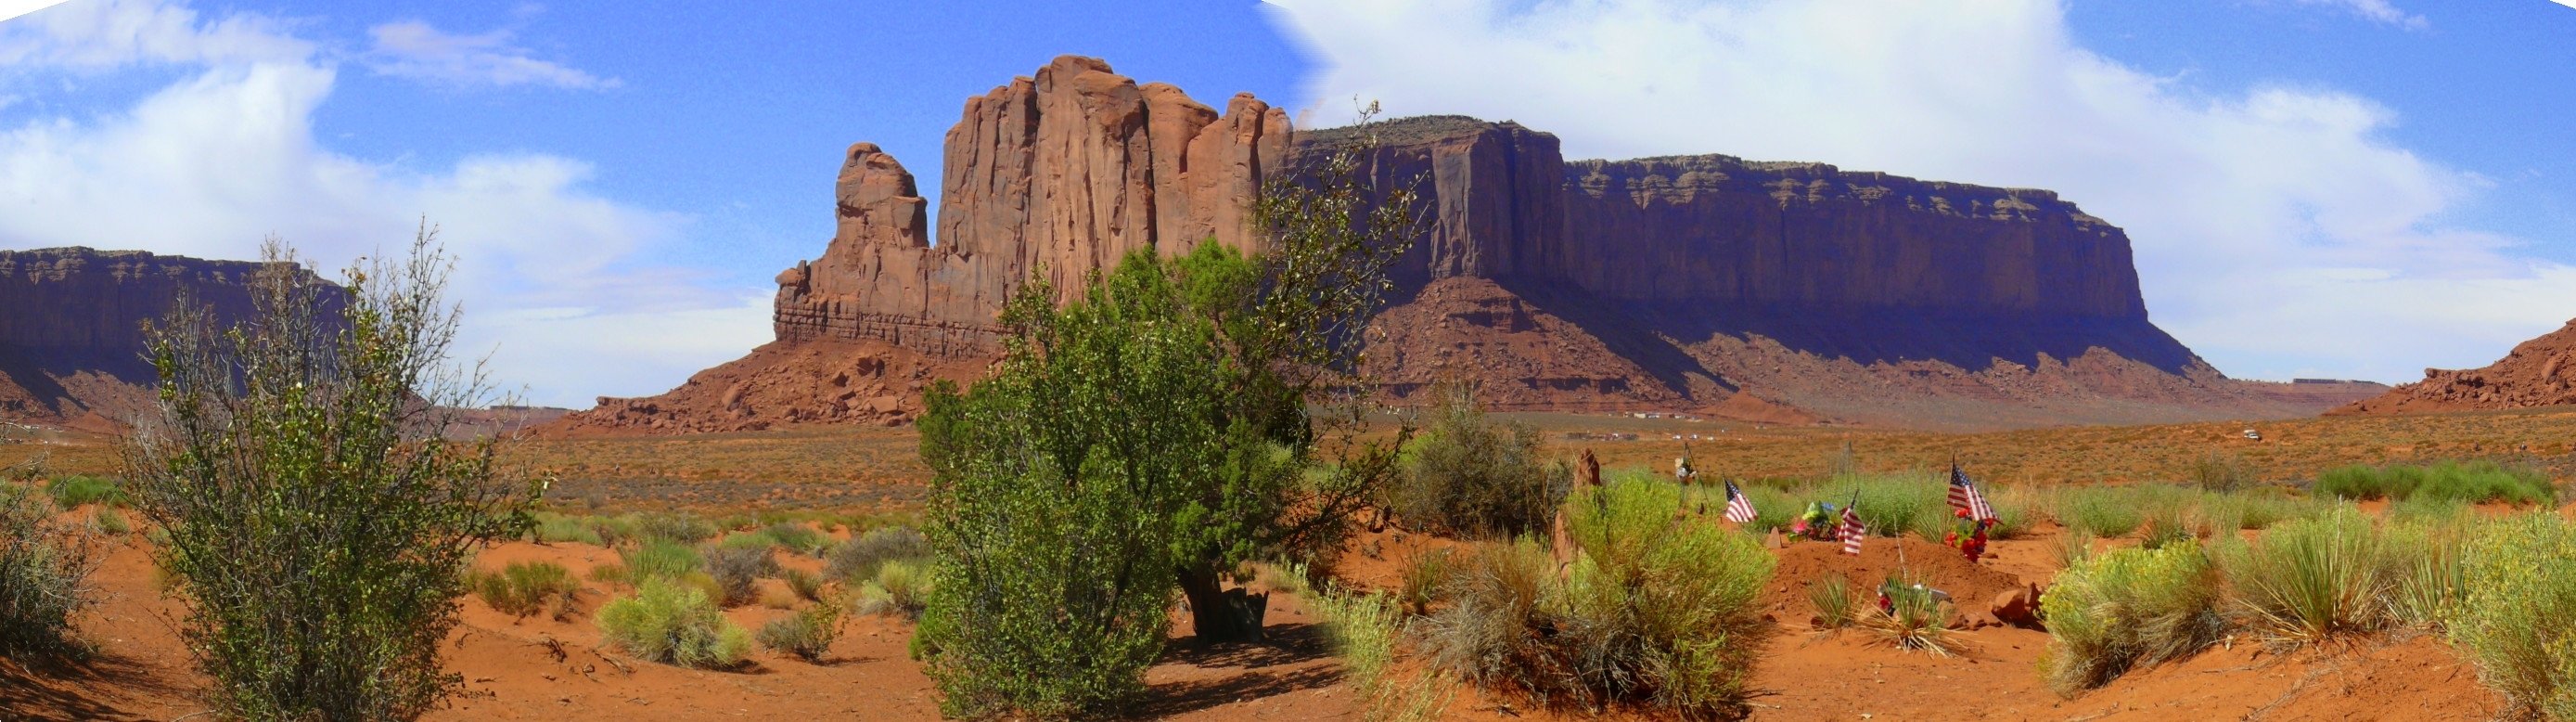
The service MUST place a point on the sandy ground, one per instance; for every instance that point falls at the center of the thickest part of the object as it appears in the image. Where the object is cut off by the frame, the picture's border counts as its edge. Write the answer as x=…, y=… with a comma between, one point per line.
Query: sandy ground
x=532, y=669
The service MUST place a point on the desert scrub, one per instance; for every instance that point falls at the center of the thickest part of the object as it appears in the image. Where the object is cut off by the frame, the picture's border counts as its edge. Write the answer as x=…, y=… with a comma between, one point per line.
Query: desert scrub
x=1424, y=576
x=857, y=560
x=310, y=471
x=1893, y=504
x=737, y=571
x=1471, y=476
x=1365, y=630
x=44, y=576
x=526, y=588
x=2472, y=482
x=108, y=521
x=804, y=584
x=796, y=537
x=1913, y=620
x=2306, y=580
x=900, y=589
x=1656, y=611
x=676, y=527
x=560, y=529
x=2520, y=582
x=2222, y=472
x=2099, y=511
x=673, y=624
x=2125, y=609
x=75, y=491
x=806, y=634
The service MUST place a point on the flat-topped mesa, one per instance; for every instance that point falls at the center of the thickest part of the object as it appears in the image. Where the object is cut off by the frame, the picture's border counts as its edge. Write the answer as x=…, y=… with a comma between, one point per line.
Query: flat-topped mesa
x=1064, y=172
x=71, y=325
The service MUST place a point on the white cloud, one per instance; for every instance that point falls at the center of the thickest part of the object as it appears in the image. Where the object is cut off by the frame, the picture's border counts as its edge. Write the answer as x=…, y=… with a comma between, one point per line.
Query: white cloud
x=2277, y=231
x=2379, y=11
x=552, y=274
x=414, y=49
x=14, y=8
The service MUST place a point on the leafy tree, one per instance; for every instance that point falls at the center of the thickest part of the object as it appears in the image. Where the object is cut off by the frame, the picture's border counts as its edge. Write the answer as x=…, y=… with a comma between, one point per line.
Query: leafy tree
x=317, y=511
x=1150, y=437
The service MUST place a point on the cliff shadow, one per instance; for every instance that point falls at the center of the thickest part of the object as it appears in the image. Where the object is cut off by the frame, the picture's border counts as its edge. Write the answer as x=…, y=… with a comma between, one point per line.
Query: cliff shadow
x=1875, y=336
x=1618, y=330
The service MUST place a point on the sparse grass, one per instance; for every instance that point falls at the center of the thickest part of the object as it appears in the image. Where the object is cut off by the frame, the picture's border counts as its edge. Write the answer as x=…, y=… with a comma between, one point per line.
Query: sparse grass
x=804, y=584
x=2472, y=482
x=1831, y=597
x=524, y=589
x=2099, y=511
x=806, y=634
x=2126, y=609
x=796, y=537
x=677, y=528
x=1424, y=577
x=109, y=521
x=1894, y=504
x=658, y=559
x=560, y=529
x=900, y=589
x=73, y=492
x=673, y=624
x=1366, y=629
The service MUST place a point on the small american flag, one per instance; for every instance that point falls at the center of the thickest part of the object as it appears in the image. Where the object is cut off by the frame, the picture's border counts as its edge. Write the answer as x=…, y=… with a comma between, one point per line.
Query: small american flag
x=1739, y=508
x=1852, y=531
x=1963, y=495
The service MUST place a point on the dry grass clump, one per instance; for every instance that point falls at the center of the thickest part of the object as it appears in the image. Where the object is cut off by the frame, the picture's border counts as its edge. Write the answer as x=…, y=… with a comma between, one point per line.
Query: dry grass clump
x=1366, y=630
x=526, y=588
x=804, y=584
x=2125, y=609
x=1657, y=611
x=806, y=634
x=857, y=560
x=2311, y=579
x=673, y=624
x=1424, y=578
x=1912, y=620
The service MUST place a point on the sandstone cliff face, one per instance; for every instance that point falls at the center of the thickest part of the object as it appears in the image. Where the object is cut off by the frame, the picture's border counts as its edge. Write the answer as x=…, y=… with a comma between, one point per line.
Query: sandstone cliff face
x=2539, y=372
x=1698, y=282
x=71, y=326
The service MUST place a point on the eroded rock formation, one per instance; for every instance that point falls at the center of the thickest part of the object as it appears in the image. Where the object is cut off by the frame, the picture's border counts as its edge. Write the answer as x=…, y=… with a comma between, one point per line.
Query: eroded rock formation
x=1701, y=282
x=2539, y=372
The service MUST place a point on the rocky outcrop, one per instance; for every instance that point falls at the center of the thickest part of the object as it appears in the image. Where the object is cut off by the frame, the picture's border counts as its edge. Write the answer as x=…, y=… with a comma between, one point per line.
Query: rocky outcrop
x=1702, y=282
x=71, y=326
x=2539, y=372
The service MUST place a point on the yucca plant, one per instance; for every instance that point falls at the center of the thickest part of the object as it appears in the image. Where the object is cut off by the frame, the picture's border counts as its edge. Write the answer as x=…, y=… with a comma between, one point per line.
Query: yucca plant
x=1832, y=599
x=2307, y=580
x=1913, y=618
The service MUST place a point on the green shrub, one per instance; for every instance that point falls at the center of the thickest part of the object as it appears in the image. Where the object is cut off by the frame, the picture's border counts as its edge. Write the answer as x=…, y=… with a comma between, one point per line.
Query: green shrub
x=2306, y=580
x=2100, y=512
x=44, y=576
x=1894, y=504
x=560, y=529
x=901, y=589
x=673, y=624
x=737, y=572
x=858, y=559
x=72, y=492
x=804, y=584
x=678, y=528
x=807, y=634
x=2473, y=482
x=658, y=558
x=2520, y=582
x=2221, y=472
x=2427, y=560
x=2125, y=609
x=109, y=522
x=1831, y=597
x=525, y=588
x=319, y=488
x=1657, y=611
x=1474, y=477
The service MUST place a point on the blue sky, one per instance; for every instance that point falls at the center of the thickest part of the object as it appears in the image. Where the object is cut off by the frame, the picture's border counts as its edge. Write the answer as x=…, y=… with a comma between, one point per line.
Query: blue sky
x=2355, y=188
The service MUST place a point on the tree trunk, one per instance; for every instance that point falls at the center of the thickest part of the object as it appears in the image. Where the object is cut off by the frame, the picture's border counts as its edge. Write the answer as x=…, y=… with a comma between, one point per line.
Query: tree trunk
x=1219, y=614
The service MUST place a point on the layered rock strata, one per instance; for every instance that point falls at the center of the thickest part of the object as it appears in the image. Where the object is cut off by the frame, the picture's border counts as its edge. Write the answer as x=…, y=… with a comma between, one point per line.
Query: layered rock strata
x=71, y=327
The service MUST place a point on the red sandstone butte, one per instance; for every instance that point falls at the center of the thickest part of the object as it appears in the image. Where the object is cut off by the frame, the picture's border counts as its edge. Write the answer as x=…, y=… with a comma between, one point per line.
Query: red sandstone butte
x=71, y=328
x=1778, y=292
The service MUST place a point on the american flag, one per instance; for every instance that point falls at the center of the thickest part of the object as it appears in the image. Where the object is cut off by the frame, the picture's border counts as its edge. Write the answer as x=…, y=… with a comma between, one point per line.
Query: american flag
x=1852, y=531
x=1963, y=495
x=1739, y=508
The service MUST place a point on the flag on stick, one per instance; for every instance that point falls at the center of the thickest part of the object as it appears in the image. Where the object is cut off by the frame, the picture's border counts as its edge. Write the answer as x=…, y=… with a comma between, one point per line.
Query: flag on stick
x=1964, y=495
x=1739, y=508
x=1852, y=531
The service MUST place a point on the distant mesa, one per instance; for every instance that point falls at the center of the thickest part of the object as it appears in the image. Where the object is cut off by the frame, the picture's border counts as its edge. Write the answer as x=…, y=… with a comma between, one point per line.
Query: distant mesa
x=71, y=328
x=2538, y=373
x=1780, y=292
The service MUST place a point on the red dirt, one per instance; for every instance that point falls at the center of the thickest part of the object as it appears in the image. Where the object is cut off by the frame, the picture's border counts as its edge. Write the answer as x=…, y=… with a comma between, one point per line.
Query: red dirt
x=1802, y=564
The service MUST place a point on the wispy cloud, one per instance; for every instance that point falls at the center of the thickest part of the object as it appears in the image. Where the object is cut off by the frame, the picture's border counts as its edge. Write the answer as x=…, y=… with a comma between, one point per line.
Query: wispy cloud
x=414, y=49
x=2278, y=230
x=554, y=276
x=2381, y=11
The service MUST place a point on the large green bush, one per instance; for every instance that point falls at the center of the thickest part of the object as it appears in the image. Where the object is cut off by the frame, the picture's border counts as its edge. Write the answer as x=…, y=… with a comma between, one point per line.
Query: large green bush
x=673, y=624
x=307, y=474
x=2125, y=609
x=1472, y=476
